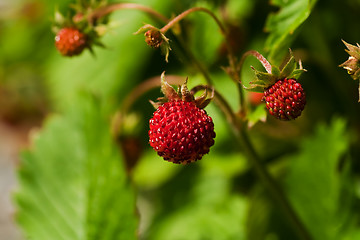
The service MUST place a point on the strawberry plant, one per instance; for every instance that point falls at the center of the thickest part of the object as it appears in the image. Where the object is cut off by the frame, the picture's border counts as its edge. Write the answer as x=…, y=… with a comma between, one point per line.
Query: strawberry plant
x=190, y=120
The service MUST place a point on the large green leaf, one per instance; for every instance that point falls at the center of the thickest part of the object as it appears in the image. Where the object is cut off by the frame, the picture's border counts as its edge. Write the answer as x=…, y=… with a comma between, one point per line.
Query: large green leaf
x=72, y=181
x=283, y=25
x=314, y=182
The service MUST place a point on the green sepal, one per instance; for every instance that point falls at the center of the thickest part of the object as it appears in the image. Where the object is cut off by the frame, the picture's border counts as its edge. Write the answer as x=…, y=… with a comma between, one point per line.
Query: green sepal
x=275, y=71
x=165, y=48
x=289, y=68
x=169, y=92
x=255, y=88
x=296, y=73
x=263, y=78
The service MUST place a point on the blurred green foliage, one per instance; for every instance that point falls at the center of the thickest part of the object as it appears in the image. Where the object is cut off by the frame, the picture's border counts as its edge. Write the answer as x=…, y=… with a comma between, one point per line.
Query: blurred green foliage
x=74, y=184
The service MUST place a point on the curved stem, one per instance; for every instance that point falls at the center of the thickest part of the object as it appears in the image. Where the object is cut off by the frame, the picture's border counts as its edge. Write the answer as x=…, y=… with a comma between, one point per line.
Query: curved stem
x=241, y=134
x=237, y=78
x=256, y=54
x=187, y=12
x=182, y=15
x=264, y=176
x=103, y=11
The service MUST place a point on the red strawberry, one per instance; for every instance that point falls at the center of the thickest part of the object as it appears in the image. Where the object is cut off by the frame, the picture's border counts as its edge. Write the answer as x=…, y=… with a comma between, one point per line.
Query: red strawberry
x=285, y=99
x=180, y=132
x=70, y=41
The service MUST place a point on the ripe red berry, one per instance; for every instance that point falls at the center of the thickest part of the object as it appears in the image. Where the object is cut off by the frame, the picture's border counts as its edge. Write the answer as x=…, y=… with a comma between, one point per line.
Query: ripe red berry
x=181, y=132
x=70, y=41
x=285, y=99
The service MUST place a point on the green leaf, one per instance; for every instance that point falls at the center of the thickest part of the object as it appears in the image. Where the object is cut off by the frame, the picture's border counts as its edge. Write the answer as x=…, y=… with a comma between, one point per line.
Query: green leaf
x=284, y=24
x=314, y=182
x=258, y=114
x=289, y=68
x=72, y=181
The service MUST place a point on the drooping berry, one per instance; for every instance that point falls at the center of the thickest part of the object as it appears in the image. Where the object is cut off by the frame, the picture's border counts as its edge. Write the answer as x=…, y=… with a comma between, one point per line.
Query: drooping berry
x=70, y=41
x=181, y=132
x=285, y=99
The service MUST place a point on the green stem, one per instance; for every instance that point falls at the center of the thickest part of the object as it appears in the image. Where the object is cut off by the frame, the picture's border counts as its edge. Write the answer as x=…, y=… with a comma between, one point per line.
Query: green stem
x=266, y=179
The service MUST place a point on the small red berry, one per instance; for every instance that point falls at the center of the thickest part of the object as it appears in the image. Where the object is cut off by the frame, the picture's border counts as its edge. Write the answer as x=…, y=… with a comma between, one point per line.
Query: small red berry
x=285, y=99
x=70, y=41
x=181, y=132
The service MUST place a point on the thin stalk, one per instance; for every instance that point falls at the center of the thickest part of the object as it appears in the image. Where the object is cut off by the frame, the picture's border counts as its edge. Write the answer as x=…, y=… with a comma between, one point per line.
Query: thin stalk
x=264, y=176
x=266, y=179
x=222, y=28
x=256, y=54
x=103, y=11
x=237, y=75
x=187, y=12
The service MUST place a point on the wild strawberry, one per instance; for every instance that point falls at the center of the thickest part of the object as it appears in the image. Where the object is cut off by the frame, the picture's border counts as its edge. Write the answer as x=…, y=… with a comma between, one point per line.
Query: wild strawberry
x=180, y=131
x=70, y=41
x=285, y=99
x=284, y=96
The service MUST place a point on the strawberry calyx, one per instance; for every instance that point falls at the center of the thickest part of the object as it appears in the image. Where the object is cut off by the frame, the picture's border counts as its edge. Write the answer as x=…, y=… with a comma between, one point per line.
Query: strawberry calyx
x=263, y=80
x=77, y=21
x=182, y=94
x=352, y=65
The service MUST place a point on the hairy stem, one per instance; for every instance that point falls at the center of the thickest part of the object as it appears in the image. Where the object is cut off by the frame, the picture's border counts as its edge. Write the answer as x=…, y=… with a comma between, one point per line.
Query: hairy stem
x=103, y=11
x=187, y=12
x=256, y=54
x=222, y=28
